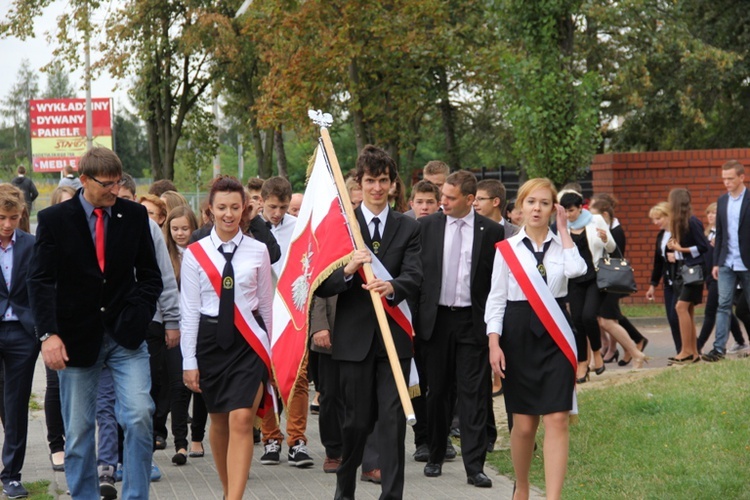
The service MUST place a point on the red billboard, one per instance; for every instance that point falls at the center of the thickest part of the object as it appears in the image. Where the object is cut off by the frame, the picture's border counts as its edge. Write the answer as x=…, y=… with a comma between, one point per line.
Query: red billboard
x=58, y=131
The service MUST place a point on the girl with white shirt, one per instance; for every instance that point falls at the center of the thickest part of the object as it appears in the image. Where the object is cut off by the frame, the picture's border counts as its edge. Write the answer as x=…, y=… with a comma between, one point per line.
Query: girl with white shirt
x=664, y=267
x=539, y=375
x=229, y=367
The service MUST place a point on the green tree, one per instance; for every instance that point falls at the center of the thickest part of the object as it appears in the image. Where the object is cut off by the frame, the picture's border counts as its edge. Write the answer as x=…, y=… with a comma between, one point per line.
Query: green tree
x=15, y=107
x=58, y=82
x=549, y=96
x=131, y=144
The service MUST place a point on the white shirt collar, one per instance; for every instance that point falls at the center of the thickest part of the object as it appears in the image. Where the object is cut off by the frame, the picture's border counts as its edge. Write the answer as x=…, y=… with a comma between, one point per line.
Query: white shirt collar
x=368, y=215
x=468, y=218
x=521, y=234
x=235, y=241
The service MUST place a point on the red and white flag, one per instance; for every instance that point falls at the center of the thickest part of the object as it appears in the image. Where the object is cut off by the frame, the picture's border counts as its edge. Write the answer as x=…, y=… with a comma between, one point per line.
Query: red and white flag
x=321, y=242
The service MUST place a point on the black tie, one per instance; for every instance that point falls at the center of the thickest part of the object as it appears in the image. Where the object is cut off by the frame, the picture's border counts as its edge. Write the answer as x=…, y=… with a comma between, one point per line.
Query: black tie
x=535, y=324
x=539, y=256
x=225, y=327
x=376, y=235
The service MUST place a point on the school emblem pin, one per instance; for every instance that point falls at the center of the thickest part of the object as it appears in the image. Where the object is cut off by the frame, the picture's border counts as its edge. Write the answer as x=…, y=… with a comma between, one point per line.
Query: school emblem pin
x=228, y=283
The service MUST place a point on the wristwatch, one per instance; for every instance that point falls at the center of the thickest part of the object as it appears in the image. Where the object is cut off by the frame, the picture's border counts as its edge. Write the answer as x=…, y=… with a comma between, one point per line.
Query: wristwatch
x=45, y=337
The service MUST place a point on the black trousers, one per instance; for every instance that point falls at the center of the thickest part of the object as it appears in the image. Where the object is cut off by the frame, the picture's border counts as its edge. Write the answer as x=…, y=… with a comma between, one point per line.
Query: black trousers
x=456, y=358
x=18, y=353
x=370, y=397
x=331, y=415
x=584, y=299
x=167, y=387
x=420, y=402
x=53, y=413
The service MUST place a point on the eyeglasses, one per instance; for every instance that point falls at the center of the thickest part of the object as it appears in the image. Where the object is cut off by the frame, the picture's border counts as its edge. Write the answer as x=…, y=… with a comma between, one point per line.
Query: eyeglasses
x=107, y=185
x=482, y=198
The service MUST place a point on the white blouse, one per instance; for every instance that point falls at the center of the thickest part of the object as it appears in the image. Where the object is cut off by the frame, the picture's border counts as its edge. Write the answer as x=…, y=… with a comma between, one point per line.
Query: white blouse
x=560, y=264
x=252, y=276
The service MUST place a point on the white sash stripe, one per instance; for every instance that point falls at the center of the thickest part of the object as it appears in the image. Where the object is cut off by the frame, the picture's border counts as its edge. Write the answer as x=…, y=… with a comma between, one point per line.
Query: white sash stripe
x=550, y=303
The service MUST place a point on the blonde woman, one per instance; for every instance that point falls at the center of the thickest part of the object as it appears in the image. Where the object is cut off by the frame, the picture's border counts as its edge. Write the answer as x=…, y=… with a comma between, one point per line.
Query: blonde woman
x=537, y=361
x=664, y=269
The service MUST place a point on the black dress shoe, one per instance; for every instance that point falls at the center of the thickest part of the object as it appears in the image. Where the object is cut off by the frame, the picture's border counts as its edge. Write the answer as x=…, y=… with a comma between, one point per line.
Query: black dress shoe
x=480, y=480
x=422, y=454
x=433, y=470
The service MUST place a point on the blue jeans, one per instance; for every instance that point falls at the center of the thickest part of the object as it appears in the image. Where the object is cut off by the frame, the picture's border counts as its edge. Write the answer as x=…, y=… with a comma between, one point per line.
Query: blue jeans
x=105, y=417
x=727, y=284
x=134, y=410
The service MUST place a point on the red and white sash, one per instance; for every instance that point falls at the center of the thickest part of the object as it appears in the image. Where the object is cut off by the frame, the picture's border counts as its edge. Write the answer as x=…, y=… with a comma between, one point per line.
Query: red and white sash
x=543, y=303
x=400, y=313
x=211, y=260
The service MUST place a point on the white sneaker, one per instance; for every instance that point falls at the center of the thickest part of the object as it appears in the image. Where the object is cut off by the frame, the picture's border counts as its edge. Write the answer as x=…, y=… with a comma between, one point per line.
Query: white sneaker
x=737, y=348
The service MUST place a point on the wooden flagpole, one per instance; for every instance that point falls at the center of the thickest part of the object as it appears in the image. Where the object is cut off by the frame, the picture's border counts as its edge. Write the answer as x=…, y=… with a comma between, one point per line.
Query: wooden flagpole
x=359, y=243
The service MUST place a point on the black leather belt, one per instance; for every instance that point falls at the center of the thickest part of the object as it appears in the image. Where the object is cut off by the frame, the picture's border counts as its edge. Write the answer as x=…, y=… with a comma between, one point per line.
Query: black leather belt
x=455, y=308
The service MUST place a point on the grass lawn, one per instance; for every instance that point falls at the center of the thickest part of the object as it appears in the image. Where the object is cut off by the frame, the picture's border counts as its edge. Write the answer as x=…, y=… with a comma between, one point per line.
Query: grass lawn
x=683, y=433
x=38, y=490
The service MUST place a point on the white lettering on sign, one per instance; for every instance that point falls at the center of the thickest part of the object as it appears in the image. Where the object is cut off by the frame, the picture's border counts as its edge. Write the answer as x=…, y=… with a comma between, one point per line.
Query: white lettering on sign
x=58, y=164
x=61, y=120
x=59, y=132
x=66, y=107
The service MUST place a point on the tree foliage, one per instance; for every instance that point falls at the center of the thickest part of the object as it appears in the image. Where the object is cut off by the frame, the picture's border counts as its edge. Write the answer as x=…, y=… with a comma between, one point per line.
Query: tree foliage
x=15, y=107
x=550, y=96
x=58, y=82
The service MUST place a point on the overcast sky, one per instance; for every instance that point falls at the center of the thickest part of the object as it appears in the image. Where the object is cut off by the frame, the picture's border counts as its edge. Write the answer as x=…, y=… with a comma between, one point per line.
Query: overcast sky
x=39, y=53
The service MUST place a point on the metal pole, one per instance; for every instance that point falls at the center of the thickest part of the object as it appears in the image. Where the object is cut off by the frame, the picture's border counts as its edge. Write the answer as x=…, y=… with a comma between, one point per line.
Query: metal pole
x=217, y=159
x=87, y=77
x=240, y=158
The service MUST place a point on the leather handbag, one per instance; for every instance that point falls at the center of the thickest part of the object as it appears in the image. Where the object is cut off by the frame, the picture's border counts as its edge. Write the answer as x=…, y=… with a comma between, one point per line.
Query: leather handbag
x=615, y=275
x=692, y=275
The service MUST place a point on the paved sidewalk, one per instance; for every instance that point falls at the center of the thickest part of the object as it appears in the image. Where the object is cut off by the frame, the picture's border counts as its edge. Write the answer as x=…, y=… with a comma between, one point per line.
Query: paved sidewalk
x=198, y=479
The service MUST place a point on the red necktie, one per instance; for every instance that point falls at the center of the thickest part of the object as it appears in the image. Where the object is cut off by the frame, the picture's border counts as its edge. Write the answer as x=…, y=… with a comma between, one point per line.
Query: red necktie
x=99, y=229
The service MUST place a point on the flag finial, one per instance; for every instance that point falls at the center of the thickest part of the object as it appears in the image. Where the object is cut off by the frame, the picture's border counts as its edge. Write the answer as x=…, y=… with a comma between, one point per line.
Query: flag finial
x=319, y=118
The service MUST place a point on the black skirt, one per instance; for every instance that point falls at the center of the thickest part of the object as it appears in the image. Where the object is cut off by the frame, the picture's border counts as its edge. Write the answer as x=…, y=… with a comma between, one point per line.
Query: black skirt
x=229, y=379
x=539, y=379
x=687, y=293
x=609, y=308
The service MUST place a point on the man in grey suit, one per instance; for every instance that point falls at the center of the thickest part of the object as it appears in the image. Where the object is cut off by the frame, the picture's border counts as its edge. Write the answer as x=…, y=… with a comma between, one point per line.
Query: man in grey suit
x=490, y=201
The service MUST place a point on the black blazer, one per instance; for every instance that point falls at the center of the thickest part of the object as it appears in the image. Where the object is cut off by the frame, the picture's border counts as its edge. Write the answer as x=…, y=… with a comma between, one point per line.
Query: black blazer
x=486, y=234
x=70, y=296
x=695, y=237
x=722, y=237
x=18, y=295
x=356, y=324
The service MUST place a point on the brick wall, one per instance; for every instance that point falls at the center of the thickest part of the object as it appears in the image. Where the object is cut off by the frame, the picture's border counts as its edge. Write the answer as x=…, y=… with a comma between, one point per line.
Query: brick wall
x=641, y=180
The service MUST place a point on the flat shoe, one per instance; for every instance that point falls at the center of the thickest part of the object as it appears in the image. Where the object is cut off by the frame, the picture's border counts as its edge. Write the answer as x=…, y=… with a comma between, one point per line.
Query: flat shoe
x=197, y=454
x=58, y=461
x=179, y=458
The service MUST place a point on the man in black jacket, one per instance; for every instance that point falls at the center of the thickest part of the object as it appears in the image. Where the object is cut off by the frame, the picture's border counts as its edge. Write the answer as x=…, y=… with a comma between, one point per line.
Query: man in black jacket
x=367, y=384
x=457, y=277
x=93, y=286
x=26, y=186
x=732, y=250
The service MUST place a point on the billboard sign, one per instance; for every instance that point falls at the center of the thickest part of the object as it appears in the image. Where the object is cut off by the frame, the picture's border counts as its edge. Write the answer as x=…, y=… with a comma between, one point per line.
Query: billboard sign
x=58, y=131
